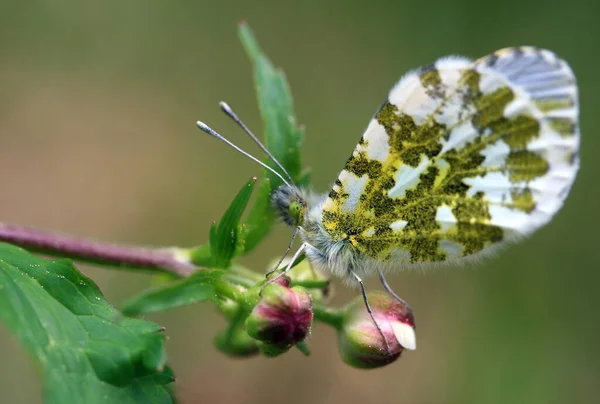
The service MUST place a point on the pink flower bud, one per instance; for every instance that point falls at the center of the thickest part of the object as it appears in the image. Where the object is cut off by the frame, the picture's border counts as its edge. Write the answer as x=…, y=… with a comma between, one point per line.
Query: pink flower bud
x=282, y=317
x=360, y=342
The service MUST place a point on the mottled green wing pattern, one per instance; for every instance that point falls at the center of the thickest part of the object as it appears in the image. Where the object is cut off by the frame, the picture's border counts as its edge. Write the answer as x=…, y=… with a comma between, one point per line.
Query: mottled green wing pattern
x=463, y=156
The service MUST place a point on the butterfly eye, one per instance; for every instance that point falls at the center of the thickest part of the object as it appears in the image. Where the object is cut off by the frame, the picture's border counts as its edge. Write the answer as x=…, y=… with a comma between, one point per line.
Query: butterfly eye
x=296, y=211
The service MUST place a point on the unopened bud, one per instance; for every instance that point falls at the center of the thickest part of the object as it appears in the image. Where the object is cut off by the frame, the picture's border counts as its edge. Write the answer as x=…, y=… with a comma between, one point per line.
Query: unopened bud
x=361, y=342
x=282, y=317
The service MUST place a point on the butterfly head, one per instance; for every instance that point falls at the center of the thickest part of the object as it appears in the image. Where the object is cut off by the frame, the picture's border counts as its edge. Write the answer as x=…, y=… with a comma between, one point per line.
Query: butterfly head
x=290, y=204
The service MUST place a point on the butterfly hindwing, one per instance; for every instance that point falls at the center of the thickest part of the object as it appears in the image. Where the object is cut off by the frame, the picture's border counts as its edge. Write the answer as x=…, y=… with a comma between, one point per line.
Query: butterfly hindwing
x=461, y=157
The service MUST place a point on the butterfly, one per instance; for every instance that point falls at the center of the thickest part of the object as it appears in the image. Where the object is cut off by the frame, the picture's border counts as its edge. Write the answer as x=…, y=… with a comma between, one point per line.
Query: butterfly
x=462, y=158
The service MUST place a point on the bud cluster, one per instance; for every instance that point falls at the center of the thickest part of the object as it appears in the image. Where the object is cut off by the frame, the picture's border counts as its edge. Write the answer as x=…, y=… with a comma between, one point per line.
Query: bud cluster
x=270, y=319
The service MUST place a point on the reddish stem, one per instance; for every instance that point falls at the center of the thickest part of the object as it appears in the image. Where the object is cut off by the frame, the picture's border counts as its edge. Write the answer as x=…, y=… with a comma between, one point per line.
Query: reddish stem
x=62, y=245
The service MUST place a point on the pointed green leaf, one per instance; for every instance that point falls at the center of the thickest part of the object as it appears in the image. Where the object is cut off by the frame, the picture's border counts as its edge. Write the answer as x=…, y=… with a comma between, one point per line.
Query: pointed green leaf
x=86, y=350
x=198, y=287
x=283, y=137
x=224, y=236
x=261, y=217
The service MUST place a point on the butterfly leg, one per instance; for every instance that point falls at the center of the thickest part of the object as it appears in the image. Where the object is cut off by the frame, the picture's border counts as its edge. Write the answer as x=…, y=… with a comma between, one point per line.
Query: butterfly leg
x=366, y=300
x=289, y=247
x=389, y=289
x=297, y=254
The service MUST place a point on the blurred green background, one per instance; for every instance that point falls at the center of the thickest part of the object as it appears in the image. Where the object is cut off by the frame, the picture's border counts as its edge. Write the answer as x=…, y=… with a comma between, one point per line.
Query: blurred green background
x=98, y=103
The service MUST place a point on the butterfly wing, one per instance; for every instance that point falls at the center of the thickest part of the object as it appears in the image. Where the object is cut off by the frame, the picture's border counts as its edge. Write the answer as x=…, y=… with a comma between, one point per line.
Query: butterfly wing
x=462, y=156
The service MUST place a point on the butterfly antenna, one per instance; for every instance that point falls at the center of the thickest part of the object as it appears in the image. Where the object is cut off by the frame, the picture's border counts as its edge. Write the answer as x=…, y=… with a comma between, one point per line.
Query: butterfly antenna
x=227, y=109
x=207, y=129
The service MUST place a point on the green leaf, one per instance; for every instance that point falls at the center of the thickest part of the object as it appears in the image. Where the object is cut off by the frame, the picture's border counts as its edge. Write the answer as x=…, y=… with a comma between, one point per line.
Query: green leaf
x=198, y=287
x=261, y=218
x=224, y=237
x=87, y=352
x=283, y=137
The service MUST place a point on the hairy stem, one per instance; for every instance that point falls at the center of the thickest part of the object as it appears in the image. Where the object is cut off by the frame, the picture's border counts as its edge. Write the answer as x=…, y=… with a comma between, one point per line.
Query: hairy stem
x=230, y=290
x=328, y=315
x=172, y=260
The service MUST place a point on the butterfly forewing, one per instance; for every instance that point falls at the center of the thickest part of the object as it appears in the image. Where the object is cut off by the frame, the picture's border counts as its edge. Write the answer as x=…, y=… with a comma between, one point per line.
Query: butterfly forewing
x=461, y=157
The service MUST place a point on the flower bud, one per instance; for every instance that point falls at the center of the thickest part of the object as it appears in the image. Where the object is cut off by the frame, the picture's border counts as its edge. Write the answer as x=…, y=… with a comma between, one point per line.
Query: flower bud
x=360, y=342
x=282, y=317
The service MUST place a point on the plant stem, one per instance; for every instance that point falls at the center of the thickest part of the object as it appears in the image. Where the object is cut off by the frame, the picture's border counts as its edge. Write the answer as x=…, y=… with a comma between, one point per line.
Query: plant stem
x=230, y=290
x=251, y=277
x=328, y=315
x=236, y=322
x=171, y=260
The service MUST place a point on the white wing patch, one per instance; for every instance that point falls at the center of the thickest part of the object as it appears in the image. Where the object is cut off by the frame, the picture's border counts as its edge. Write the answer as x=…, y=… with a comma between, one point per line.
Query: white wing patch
x=496, y=187
x=445, y=218
x=495, y=154
x=354, y=186
x=406, y=178
x=411, y=97
x=514, y=221
x=398, y=225
x=460, y=135
x=376, y=144
x=450, y=69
